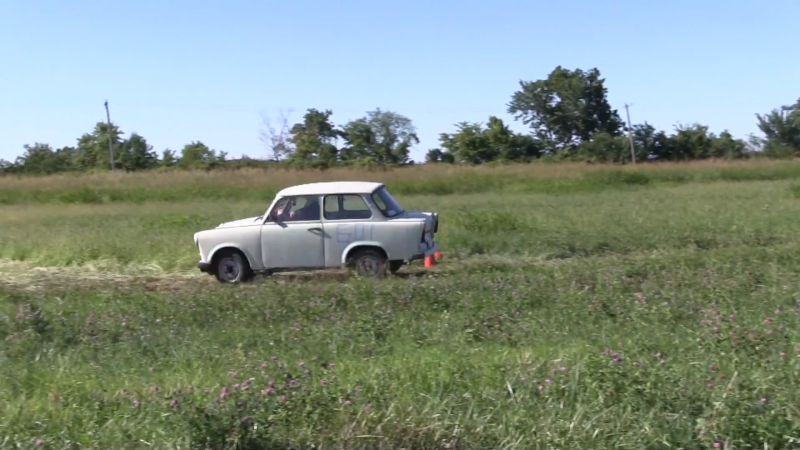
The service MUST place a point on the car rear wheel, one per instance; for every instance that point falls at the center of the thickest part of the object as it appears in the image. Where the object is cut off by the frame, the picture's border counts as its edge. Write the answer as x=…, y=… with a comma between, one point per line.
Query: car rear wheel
x=232, y=267
x=369, y=263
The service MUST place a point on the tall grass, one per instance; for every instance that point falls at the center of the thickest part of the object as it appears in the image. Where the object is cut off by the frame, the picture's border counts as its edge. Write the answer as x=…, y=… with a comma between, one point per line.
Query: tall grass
x=685, y=350
x=256, y=184
x=660, y=316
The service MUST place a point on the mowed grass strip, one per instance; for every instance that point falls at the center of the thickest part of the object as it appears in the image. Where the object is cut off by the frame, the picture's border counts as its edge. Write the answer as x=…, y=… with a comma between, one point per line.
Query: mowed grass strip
x=538, y=226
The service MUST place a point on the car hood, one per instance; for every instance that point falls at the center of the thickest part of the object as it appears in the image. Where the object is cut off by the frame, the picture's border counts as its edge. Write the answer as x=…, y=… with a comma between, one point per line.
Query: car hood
x=240, y=223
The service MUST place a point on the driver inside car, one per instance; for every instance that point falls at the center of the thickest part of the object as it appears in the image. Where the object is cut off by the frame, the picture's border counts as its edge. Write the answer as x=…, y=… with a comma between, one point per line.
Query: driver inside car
x=310, y=211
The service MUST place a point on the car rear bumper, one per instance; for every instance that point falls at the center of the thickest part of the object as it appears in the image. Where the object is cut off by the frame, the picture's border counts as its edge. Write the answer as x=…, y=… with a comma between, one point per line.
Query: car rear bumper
x=425, y=252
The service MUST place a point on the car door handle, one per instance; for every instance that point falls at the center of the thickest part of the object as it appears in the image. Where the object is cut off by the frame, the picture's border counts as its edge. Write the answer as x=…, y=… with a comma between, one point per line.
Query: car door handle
x=315, y=229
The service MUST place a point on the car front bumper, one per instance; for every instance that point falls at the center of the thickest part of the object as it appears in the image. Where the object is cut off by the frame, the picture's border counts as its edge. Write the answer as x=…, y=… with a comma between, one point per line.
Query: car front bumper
x=204, y=267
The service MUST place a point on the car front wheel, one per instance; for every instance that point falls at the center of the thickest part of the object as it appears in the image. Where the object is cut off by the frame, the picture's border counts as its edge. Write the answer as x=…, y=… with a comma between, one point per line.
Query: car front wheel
x=232, y=267
x=369, y=263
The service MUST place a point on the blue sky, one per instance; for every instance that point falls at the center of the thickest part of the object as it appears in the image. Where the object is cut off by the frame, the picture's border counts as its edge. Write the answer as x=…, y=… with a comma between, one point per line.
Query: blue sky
x=177, y=71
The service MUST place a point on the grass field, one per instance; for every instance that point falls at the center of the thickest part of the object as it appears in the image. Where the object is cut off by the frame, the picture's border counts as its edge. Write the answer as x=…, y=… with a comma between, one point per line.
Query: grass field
x=577, y=307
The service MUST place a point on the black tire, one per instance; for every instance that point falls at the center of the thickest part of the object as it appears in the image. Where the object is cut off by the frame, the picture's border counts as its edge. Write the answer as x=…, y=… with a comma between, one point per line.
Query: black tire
x=232, y=267
x=369, y=263
x=394, y=266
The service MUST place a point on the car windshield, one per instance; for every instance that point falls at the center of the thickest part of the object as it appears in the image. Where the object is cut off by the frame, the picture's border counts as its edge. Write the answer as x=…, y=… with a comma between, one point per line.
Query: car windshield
x=386, y=203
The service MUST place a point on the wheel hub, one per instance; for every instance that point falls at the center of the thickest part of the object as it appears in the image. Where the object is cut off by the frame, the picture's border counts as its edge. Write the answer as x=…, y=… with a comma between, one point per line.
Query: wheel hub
x=228, y=269
x=367, y=265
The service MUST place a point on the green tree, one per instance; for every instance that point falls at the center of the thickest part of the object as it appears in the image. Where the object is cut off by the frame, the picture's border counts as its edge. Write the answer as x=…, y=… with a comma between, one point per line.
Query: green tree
x=603, y=147
x=382, y=137
x=314, y=140
x=651, y=143
x=781, y=127
x=7, y=167
x=93, y=151
x=436, y=155
x=136, y=154
x=725, y=146
x=38, y=159
x=692, y=142
x=197, y=155
x=474, y=144
x=565, y=109
x=468, y=144
x=168, y=158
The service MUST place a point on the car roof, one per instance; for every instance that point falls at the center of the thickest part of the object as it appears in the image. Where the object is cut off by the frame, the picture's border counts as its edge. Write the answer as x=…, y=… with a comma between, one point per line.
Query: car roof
x=331, y=187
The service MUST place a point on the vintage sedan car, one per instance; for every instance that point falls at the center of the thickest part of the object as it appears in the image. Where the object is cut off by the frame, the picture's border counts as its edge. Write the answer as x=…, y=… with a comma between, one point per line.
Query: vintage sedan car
x=313, y=226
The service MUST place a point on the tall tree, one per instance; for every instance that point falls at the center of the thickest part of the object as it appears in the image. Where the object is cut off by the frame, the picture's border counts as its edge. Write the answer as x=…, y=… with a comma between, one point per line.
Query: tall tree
x=168, y=158
x=474, y=144
x=692, y=142
x=566, y=108
x=781, y=127
x=651, y=143
x=384, y=137
x=436, y=155
x=468, y=144
x=93, y=151
x=314, y=140
x=136, y=154
x=197, y=155
x=38, y=159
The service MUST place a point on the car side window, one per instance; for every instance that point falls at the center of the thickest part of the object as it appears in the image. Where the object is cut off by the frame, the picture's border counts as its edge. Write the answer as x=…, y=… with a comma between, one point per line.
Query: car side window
x=296, y=209
x=346, y=207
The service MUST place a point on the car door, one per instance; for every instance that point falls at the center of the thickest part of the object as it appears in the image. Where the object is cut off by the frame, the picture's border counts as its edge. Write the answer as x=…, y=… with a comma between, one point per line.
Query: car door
x=293, y=240
x=347, y=219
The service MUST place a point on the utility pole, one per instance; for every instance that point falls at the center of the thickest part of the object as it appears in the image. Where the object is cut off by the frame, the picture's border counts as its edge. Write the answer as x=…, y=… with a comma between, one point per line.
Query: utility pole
x=630, y=133
x=110, y=141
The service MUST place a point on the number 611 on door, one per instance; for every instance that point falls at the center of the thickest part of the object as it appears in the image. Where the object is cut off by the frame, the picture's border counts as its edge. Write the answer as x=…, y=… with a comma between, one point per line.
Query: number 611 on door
x=351, y=232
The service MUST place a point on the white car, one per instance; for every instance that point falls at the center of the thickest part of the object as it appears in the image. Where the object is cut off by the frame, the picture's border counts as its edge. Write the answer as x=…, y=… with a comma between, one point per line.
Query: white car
x=320, y=226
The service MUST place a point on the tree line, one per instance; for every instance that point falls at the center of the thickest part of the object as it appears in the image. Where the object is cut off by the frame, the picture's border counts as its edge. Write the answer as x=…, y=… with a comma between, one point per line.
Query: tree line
x=567, y=114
